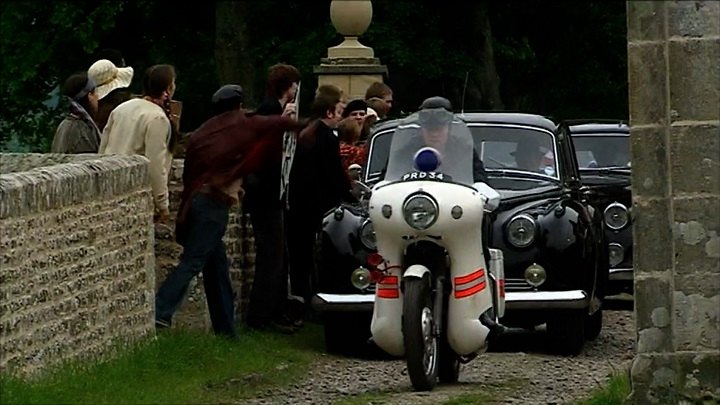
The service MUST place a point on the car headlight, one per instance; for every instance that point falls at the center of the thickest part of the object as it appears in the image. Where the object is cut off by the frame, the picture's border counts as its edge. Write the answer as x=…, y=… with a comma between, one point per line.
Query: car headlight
x=616, y=216
x=521, y=231
x=616, y=253
x=420, y=211
x=367, y=235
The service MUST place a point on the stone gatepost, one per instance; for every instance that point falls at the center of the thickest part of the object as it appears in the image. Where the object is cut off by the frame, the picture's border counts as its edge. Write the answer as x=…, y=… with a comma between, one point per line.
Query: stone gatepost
x=351, y=65
x=674, y=79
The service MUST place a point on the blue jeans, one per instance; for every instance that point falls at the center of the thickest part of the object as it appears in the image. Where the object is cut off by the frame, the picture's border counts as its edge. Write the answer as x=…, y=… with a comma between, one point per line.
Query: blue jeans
x=203, y=250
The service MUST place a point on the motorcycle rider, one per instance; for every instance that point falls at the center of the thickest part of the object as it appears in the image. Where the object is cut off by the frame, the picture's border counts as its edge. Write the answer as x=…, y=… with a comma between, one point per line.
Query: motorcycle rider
x=435, y=117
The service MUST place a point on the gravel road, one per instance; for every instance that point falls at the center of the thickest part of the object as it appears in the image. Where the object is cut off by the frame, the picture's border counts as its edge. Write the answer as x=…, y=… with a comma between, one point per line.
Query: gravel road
x=519, y=372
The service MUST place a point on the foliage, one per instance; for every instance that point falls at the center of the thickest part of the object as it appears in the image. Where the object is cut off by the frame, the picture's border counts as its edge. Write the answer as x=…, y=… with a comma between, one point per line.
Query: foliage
x=566, y=59
x=34, y=44
x=178, y=367
x=615, y=392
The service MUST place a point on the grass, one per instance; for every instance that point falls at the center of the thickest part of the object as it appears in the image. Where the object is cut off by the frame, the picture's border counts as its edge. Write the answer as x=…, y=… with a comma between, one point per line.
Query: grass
x=177, y=367
x=614, y=393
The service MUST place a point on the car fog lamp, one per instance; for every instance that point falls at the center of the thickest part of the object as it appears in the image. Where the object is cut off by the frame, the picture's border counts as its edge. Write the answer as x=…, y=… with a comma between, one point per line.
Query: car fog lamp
x=360, y=278
x=535, y=275
x=521, y=231
x=420, y=211
x=367, y=235
x=616, y=216
x=456, y=212
x=616, y=253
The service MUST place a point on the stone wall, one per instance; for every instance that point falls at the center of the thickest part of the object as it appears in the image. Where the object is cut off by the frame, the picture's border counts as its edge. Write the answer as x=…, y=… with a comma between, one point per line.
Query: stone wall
x=76, y=261
x=239, y=242
x=674, y=78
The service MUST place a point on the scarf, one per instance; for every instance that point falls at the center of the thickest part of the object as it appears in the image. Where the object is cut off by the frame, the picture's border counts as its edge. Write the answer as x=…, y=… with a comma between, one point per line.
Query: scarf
x=80, y=112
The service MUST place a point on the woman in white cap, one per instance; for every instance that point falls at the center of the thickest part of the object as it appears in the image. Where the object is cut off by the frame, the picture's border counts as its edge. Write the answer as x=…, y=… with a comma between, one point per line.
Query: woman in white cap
x=112, y=87
x=77, y=133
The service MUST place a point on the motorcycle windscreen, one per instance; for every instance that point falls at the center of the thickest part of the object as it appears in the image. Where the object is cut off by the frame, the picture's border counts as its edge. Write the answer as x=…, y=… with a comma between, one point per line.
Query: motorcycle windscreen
x=441, y=130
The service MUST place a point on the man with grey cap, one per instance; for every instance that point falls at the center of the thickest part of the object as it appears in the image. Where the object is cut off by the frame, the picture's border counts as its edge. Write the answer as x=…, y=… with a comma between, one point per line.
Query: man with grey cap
x=225, y=149
x=229, y=97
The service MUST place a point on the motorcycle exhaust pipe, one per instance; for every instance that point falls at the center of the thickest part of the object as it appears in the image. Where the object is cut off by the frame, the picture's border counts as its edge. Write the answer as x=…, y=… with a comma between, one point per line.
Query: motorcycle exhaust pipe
x=496, y=329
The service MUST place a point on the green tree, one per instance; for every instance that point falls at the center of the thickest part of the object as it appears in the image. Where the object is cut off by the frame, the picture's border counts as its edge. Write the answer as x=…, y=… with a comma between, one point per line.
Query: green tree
x=566, y=59
x=34, y=40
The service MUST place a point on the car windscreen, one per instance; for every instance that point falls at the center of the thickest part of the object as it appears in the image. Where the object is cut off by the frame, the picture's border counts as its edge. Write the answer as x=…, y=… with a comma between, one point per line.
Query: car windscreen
x=516, y=150
x=602, y=150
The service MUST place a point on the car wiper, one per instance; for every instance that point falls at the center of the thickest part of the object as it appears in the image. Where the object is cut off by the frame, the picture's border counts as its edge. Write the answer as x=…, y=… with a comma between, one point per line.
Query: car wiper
x=520, y=174
x=606, y=170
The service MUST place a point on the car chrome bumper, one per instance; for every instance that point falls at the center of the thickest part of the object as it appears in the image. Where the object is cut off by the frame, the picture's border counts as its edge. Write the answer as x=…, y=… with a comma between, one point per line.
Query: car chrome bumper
x=546, y=300
x=513, y=300
x=343, y=302
x=621, y=274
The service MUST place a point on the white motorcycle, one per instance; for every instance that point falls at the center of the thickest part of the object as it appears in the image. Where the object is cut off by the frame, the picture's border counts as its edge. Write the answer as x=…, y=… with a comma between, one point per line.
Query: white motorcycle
x=437, y=298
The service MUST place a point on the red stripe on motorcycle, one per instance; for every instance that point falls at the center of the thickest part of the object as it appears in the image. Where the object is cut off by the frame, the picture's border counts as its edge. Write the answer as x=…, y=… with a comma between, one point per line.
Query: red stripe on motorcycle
x=502, y=288
x=393, y=280
x=388, y=293
x=470, y=277
x=470, y=291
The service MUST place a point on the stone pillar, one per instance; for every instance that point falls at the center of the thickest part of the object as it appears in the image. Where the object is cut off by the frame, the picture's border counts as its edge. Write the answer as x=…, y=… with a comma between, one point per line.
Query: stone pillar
x=351, y=65
x=674, y=79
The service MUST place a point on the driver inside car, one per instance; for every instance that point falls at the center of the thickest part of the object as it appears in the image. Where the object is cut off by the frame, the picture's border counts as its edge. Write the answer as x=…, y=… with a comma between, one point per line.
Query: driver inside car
x=528, y=156
x=434, y=117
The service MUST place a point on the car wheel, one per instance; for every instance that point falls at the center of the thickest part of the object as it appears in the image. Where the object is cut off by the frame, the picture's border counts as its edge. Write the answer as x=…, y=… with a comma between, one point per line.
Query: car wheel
x=593, y=324
x=566, y=332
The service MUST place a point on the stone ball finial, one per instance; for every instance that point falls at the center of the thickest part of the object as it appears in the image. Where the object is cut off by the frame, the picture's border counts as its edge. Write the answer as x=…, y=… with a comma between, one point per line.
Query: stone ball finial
x=351, y=18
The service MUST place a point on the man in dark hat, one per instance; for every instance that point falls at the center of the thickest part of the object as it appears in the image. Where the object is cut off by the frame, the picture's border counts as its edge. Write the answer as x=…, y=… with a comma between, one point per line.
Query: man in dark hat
x=229, y=97
x=528, y=155
x=356, y=109
x=219, y=154
x=435, y=117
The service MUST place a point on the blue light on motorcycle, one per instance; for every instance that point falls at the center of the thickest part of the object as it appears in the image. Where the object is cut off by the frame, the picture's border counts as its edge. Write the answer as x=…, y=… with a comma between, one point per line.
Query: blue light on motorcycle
x=427, y=159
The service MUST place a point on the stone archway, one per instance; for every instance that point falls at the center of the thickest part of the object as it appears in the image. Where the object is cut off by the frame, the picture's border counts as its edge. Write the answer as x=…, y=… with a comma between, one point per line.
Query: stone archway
x=674, y=87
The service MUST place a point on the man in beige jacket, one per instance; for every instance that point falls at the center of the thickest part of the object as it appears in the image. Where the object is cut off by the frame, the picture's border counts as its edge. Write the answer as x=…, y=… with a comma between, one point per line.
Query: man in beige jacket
x=141, y=126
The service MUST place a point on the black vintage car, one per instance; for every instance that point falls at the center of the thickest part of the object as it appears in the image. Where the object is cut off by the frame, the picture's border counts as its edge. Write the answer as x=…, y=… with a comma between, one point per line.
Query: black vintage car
x=551, y=236
x=603, y=152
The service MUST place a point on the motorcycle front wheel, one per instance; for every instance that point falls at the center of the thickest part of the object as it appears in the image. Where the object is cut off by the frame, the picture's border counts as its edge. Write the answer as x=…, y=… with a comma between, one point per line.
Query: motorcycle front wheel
x=421, y=345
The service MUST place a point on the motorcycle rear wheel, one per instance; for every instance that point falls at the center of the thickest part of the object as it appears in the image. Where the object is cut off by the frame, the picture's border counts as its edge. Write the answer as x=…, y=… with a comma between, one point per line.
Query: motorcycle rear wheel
x=421, y=345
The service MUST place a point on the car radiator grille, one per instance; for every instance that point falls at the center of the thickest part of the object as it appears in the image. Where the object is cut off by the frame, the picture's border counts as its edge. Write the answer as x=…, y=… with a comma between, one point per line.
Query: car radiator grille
x=517, y=284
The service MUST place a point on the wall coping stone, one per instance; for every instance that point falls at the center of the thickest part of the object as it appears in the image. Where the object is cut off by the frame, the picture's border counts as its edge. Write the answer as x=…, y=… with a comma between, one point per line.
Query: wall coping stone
x=85, y=177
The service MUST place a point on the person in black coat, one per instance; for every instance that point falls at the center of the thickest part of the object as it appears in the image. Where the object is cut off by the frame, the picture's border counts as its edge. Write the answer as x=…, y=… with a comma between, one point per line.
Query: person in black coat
x=267, y=208
x=318, y=182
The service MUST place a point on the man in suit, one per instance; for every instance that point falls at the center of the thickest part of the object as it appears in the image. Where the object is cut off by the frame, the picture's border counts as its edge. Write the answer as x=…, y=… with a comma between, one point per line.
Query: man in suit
x=318, y=182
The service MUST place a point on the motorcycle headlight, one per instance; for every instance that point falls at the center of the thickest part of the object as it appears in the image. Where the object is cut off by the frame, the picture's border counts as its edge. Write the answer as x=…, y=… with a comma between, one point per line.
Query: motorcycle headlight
x=420, y=211
x=521, y=231
x=367, y=235
x=616, y=216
